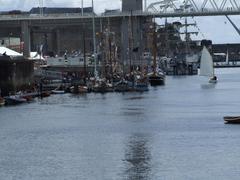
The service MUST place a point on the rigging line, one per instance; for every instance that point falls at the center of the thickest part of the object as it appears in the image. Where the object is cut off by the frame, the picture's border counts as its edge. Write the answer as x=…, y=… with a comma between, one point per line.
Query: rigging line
x=234, y=5
x=214, y=4
x=223, y=4
x=204, y=4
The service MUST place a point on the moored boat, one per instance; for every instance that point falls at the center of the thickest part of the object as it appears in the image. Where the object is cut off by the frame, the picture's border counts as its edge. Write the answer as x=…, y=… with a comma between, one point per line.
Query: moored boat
x=78, y=89
x=59, y=90
x=232, y=119
x=156, y=79
x=123, y=86
x=2, y=101
x=29, y=96
x=141, y=83
x=14, y=100
x=102, y=86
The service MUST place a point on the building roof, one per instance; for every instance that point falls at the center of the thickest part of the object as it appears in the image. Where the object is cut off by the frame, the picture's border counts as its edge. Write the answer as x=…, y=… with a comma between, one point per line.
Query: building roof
x=59, y=10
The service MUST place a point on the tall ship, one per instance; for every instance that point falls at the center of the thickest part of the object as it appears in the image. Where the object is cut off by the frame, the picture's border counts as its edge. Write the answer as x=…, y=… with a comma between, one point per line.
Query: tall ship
x=178, y=53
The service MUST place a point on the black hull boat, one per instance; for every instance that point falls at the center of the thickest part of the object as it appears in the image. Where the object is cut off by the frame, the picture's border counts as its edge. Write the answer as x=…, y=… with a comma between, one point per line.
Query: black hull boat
x=157, y=80
x=232, y=119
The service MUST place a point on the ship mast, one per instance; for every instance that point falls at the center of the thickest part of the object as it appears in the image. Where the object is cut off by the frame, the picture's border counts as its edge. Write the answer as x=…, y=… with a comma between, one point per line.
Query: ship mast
x=154, y=49
x=94, y=42
x=130, y=42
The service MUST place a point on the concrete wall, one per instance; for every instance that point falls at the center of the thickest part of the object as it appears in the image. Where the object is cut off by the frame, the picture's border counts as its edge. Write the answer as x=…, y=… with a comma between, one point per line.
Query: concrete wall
x=70, y=38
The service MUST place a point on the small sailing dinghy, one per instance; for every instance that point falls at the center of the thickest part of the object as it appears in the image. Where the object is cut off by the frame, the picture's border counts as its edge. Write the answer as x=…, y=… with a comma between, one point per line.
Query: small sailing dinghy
x=232, y=119
x=207, y=67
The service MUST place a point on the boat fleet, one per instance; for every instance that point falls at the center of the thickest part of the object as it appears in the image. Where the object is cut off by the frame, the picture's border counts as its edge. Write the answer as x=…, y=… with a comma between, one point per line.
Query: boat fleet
x=134, y=83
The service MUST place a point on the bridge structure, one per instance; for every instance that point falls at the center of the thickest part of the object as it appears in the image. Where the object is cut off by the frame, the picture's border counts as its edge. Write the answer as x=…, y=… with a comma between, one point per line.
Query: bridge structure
x=26, y=24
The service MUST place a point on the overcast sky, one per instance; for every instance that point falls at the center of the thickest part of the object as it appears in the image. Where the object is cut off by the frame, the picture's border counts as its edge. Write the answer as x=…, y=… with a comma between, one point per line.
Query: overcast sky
x=216, y=28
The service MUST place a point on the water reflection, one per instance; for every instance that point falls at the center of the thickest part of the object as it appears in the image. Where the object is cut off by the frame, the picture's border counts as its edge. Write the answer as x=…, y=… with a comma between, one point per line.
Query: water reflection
x=208, y=86
x=137, y=160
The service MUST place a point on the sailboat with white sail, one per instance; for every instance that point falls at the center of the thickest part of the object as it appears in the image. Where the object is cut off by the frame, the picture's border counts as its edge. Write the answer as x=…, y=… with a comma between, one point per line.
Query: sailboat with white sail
x=207, y=66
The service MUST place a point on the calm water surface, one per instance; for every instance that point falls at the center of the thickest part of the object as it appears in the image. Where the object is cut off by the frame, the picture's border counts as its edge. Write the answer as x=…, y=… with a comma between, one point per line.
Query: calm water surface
x=171, y=132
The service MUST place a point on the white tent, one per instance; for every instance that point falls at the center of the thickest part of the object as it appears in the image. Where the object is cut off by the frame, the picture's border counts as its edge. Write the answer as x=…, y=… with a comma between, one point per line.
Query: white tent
x=8, y=52
x=36, y=56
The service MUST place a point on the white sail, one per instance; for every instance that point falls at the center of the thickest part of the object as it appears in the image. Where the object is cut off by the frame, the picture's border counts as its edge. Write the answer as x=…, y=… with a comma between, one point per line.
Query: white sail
x=206, y=64
x=227, y=58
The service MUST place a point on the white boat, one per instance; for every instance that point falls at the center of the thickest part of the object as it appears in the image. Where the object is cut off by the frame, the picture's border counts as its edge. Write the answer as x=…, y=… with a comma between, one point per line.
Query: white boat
x=206, y=66
x=58, y=91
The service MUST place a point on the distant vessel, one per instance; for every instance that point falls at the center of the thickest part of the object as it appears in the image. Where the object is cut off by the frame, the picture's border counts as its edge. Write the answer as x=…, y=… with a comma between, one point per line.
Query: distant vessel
x=232, y=119
x=206, y=66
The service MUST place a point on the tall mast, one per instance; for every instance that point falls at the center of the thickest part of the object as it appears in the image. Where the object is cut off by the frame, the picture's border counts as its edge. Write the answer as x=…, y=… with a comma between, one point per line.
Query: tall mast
x=110, y=49
x=186, y=36
x=84, y=55
x=41, y=7
x=145, y=5
x=94, y=41
x=130, y=41
x=154, y=48
x=82, y=8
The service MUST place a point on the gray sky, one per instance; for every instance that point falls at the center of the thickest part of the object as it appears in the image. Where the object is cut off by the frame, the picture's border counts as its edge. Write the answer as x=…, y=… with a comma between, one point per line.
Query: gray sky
x=216, y=28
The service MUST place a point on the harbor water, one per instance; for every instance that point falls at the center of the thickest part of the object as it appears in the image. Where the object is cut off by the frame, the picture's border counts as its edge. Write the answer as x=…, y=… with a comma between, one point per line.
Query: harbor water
x=170, y=132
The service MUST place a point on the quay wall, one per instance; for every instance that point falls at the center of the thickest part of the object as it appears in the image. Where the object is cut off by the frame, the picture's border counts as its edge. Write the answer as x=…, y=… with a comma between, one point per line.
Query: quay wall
x=15, y=75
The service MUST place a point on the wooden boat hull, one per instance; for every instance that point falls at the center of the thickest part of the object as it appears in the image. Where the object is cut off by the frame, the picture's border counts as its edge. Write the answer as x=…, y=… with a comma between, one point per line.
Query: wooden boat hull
x=232, y=119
